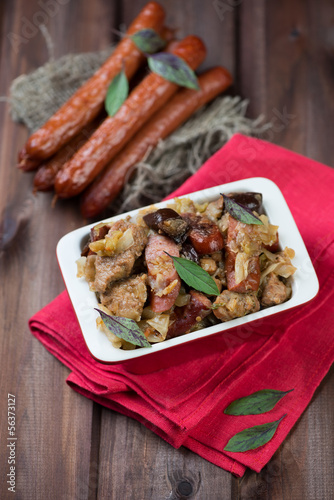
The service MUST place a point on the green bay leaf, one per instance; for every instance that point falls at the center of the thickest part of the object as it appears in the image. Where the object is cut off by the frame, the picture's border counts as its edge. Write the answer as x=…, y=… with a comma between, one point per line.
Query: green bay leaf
x=125, y=328
x=253, y=437
x=117, y=93
x=192, y=274
x=256, y=403
x=147, y=40
x=173, y=69
x=239, y=212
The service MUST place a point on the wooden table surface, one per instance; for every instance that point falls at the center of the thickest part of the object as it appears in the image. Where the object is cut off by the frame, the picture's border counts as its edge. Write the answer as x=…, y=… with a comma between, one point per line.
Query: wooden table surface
x=281, y=55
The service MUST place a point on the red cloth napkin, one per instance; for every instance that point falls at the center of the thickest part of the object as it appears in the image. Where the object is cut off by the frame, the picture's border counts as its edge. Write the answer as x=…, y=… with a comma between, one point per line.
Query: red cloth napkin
x=181, y=393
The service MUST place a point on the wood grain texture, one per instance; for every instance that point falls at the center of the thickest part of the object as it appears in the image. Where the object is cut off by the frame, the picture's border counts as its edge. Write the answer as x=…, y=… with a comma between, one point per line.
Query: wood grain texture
x=53, y=424
x=154, y=470
x=284, y=71
x=281, y=54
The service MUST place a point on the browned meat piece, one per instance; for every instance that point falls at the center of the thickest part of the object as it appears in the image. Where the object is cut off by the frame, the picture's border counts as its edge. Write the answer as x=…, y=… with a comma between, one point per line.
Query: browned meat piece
x=127, y=297
x=119, y=266
x=230, y=305
x=184, y=318
x=274, y=291
x=162, y=276
x=110, y=269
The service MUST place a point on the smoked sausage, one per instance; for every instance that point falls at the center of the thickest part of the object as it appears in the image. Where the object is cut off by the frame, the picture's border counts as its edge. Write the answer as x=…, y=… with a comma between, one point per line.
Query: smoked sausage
x=146, y=99
x=26, y=163
x=45, y=176
x=184, y=318
x=204, y=235
x=107, y=186
x=88, y=100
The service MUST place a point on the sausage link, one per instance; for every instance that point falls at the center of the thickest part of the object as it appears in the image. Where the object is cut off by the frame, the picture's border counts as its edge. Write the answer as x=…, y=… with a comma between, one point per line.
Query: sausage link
x=251, y=282
x=186, y=317
x=113, y=178
x=26, y=163
x=204, y=235
x=147, y=98
x=88, y=100
x=45, y=176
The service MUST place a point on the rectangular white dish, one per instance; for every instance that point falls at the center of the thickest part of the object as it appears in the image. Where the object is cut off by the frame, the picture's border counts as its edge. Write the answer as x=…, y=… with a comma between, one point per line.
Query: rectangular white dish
x=305, y=284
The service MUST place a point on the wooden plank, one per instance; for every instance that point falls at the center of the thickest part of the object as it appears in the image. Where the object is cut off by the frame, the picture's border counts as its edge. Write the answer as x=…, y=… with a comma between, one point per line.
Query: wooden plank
x=284, y=71
x=282, y=63
x=134, y=462
x=203, y=20
x=54, y=425
x=320, y=80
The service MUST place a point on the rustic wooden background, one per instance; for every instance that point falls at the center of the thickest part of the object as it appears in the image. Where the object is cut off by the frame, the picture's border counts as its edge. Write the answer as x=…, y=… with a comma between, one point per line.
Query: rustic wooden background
x=281, y=55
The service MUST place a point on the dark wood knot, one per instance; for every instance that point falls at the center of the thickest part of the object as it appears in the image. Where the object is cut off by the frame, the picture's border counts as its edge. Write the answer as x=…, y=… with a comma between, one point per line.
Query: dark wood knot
x=184, y=484
x=295, y=33
x=184, y=488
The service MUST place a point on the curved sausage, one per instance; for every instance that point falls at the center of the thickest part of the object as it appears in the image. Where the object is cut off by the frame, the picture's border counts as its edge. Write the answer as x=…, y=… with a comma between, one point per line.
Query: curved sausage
x=88, y=100
x=204, y=234
x=26, y=163
x=161, y=272
x=185, y=317
x=147, y=98
x=45, y=176
x=107, y=186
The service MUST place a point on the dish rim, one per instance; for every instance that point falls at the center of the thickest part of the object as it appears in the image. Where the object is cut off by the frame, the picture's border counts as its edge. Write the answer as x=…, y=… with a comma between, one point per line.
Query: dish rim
x=83, y=300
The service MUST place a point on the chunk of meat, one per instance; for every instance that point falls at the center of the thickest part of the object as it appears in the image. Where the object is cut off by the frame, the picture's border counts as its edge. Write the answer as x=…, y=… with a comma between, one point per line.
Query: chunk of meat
x=274, y=291
x=204, y=234
x=119, y=266
x=230, y=305
x=183, y=318
x=163, y=279
x=127, y=297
